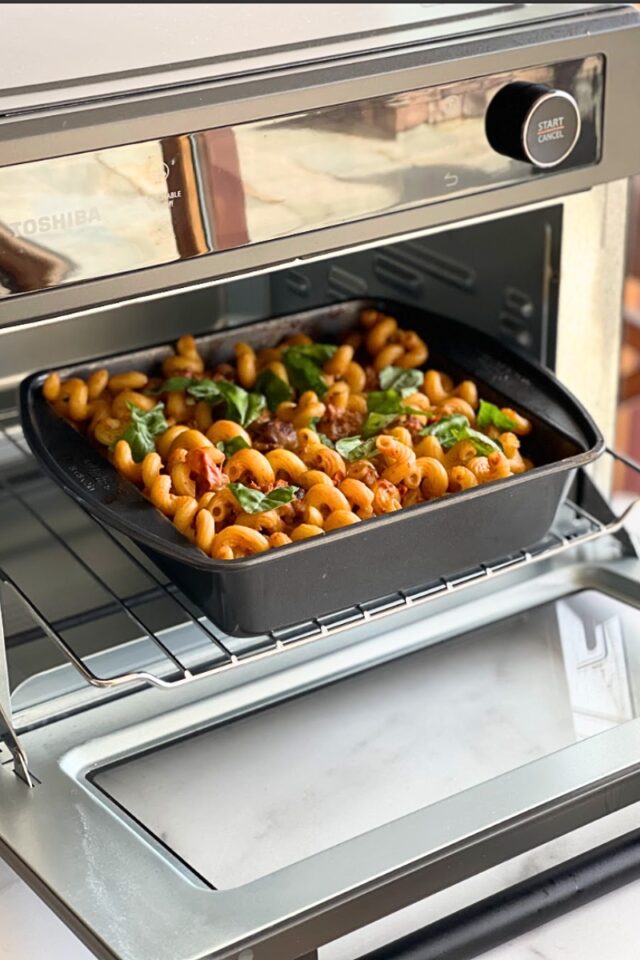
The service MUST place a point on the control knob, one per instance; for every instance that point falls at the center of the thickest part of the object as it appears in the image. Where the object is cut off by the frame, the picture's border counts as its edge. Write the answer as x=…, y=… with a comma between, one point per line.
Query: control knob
x=533, y=123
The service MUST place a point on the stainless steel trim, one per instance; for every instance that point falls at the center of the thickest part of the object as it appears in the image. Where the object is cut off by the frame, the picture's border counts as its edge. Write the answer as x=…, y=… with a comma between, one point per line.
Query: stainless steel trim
x=525, y=129
x=107, y=213
x=97, y=124
x=155, y=60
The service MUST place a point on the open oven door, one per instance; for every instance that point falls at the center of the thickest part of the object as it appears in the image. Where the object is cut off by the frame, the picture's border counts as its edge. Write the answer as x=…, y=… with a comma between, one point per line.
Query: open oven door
x=269, y=809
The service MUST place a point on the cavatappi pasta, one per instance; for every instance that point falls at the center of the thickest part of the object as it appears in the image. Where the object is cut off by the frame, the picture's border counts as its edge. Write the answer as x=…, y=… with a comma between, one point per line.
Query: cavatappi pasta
x=293, y=441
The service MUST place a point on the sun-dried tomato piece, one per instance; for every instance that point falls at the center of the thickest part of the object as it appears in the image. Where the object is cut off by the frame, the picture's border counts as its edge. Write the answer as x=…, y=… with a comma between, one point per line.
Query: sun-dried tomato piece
x=207, y=473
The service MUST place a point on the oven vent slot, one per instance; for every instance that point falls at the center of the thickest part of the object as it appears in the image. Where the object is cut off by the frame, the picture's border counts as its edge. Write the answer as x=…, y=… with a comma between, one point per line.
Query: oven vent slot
x=453, y=273
x=342, y=284
x=297, y=283
x=393, y=270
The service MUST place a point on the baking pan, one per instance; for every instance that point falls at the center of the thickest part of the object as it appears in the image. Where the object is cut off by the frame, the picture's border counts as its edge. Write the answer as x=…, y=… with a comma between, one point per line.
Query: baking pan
x=365, y=561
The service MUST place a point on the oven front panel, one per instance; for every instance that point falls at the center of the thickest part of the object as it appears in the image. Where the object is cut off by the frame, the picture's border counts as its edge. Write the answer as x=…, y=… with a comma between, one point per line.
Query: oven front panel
x=112, y=211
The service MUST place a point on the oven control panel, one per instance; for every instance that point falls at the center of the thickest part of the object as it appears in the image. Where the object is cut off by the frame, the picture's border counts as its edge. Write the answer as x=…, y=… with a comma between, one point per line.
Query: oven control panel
x=533, y=123
x=122, y=209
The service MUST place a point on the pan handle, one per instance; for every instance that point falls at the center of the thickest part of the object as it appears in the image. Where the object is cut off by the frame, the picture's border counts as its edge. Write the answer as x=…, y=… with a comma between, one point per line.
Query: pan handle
x=519, y=909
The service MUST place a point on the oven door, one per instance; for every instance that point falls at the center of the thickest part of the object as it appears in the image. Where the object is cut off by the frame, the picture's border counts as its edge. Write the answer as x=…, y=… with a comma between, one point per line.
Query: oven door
x=321, y=779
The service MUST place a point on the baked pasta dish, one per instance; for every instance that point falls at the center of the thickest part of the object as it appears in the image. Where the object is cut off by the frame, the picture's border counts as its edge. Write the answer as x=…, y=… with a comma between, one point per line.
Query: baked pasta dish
x=293, y=441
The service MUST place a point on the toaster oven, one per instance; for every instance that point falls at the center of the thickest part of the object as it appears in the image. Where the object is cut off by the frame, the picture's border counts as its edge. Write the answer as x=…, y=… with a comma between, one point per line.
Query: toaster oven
x=176, y=792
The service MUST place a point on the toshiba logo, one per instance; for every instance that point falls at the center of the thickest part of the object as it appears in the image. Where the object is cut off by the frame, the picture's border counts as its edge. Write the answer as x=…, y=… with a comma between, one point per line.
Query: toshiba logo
x=55, y=222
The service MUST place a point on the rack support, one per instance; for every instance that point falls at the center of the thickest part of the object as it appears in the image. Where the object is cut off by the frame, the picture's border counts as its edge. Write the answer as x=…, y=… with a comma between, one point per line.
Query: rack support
x=7, y=730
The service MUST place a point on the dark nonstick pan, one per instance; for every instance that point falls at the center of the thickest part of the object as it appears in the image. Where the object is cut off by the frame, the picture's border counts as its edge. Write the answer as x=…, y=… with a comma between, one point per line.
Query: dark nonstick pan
x=355, y=564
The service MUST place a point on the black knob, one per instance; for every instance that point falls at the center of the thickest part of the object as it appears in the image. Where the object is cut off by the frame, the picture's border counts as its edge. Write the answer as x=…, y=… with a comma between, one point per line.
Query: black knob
x=533, y=123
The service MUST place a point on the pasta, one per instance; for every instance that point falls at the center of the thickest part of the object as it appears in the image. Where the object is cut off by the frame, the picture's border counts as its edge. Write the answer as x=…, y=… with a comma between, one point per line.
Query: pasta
x=293, y=441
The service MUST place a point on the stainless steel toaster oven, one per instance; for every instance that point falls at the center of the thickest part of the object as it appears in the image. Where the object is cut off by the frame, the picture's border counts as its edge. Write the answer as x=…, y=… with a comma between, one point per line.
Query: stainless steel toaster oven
x=177, y=793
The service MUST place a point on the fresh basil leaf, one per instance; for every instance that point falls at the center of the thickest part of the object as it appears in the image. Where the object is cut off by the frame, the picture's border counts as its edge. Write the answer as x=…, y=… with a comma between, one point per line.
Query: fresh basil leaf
x=319, y=353
x=143, y=427
x=231, y=446
x=403, y=381
x=327, y=442
x=304, y=366
x=275, y=389
x=376, y=422
x=384, y=406
x=448, y=430
x=254, y=501
x=278, y=497
x=484, y=445
x=240, y=406
x=208, y=390
x=355, y=448
x=489, y=415
x=456, y=427
x=171, y=385
x=417, y=411
x=384, y=401
x=255, y=406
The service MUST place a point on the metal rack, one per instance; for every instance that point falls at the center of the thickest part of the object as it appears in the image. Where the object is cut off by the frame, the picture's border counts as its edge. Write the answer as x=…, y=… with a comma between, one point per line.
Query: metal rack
x=221, y=656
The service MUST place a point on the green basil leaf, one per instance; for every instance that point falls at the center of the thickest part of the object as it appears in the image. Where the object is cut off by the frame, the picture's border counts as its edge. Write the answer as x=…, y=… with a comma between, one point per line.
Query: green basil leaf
x=205, y=390
x=489, y=415
x=456, y=427
x=278, y=497
x=143, y=427
x=327, y=442
x=304, y=366
x=403, y=381
x=254, y=501
x=170, y=385
x=240, y=406
x=384, y=401
x=275, y=389
x=417, y=411
x=355, y=448
x=231, y=446
x=376, y=422
x=384, y=406
x=255, y=406
x=448, y=430
x=484, y=445
x=318, y=353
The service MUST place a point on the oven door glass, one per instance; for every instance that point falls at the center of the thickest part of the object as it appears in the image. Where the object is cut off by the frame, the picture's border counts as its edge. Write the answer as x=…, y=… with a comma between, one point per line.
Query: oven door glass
x=286, y=783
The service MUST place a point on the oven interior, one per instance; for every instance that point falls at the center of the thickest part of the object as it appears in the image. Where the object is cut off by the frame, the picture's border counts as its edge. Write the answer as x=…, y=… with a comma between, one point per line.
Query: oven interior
x=295, y=768
x=100, y=593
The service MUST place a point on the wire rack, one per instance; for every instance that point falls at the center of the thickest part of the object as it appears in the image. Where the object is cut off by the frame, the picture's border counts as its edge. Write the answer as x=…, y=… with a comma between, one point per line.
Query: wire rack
x=218, y=653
